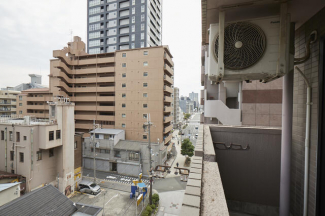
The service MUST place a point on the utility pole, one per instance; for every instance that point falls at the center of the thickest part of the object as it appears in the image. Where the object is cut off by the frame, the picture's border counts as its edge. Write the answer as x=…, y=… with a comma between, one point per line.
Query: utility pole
x=147, y=125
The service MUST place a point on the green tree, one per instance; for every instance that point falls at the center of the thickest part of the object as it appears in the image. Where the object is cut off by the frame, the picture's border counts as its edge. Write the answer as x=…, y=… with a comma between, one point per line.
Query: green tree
x=187, y=148
x=187, y=116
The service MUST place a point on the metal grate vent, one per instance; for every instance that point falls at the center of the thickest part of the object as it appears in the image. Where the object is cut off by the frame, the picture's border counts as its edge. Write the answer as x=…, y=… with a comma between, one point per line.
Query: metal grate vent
x=245, y=44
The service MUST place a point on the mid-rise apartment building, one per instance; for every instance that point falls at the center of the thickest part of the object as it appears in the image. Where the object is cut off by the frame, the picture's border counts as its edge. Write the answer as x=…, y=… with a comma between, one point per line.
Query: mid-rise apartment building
x=194, y=97
x=116, y=90
x=8, y=102
x=42, y=151
x=123, y=24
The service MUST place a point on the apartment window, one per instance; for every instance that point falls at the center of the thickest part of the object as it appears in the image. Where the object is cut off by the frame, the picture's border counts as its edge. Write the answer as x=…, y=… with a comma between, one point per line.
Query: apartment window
x=75, y=145
x=145, y=52
x=142, y=26
x=133, y=28
x=123, y=115
x=123, y=95
x=132, y=46
x=12, y=155
x=123, y=55
x=133, y=19
x=97, y=136
x=94, y=35
x=20, y=104
x=94, y=10
x=133, y=2
x=142, y=1
x=142, y=36
x=145, y=84
x=133, y=37
x=107, y=151
x=145, y=74
x=94, y=27
x=145, y=63
x=123, y=125
x=21, y=157
x=124, y=65
x=145, y=105
x=133, y=10
x=106, y=136
x=123, y=85
x=10, y=135
x=39, y=155
x=142, y=17
x=92, y=149
x=52, y=111
x=20, y=98
x=58, y=134
x=123, y=105
x=25, y=138
x=17, y=136
x=145, y=116
x=2, y=135
x=117, y=154
x=144, y=136
x=20, y=112
x=142, y=8
x=133, y=156
x=123, y=74
x=145, y=95
x=94, y=19
x=142, y=44
x=51, y=135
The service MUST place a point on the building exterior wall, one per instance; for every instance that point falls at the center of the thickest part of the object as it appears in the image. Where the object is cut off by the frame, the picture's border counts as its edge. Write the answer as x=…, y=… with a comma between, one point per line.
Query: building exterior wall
x=34, y=137
x=311, y=71
x=117, y=24
x=9, y=194
x=262, y=103
x=8, y=102
x=176, y=106
x=78, y=141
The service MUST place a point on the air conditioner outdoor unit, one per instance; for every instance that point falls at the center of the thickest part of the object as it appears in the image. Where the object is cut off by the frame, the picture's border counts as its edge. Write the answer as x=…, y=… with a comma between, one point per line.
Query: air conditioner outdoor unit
x=254, y=49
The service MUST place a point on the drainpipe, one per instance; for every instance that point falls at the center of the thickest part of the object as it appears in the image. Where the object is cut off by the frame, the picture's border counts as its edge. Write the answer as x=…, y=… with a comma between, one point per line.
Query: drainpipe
x=308, y=104
x=6, y=162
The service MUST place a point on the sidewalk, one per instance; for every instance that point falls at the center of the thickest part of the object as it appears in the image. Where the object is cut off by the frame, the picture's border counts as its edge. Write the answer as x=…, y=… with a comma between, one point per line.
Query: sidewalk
x=180, y=159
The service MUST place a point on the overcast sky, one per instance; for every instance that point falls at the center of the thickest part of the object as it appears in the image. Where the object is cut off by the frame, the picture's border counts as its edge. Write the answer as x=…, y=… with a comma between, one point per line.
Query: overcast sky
x=31, y=29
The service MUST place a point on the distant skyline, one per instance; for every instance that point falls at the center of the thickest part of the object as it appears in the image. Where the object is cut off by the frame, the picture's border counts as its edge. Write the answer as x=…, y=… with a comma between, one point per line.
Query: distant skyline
x=32, y=29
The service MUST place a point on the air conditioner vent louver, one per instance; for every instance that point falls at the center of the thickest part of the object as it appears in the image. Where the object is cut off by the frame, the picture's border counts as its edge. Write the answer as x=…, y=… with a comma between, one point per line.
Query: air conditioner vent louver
x=244, y=45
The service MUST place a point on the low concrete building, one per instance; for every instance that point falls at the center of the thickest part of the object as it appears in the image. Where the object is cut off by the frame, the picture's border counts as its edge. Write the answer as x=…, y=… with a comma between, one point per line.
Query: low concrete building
x=42, y=151
x=48, y=200
x=9, y=192
x=115, y=154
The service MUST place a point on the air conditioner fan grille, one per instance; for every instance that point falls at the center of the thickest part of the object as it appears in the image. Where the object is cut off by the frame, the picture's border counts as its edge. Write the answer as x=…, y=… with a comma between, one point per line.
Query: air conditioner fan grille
x=244, y=45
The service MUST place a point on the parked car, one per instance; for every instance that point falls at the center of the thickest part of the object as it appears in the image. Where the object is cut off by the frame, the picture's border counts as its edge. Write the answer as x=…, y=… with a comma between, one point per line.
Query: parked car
x=90, y=187
x=196, y=135
x=196, y=127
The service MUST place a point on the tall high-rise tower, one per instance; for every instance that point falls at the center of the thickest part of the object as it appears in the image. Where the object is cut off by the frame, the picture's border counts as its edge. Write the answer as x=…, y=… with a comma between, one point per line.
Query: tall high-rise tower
x=123, y=24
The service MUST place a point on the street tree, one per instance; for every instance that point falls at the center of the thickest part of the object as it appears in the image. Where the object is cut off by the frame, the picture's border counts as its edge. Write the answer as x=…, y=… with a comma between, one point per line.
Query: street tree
x=187, y=148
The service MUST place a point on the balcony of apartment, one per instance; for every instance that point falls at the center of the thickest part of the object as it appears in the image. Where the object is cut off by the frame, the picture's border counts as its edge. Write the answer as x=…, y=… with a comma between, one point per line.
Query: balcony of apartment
x=92, y=98
x=168, y=99
x=202, y=97
x=168, y=119
x=6, y=103
x=168, y=79
x=168, y=109
x=154, y=29
x=214, y=159
x=92, y=61
x=94, y=89
x=38, y=115
x=94, y=80
x=38, y=107
x=8, y=96
x=154, y=20
x=168, y=128
x=61, y=65
x=168, y=59
x=94, y=117
x=168, y=138
x=168, y=69
x=44, y=99
x=168, y=89
x=94, y=70
x=4, y=109
x=94, y=108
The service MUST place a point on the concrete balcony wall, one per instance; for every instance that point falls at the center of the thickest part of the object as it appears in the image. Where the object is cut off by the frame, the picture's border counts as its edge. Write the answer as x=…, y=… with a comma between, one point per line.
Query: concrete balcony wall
x=168, y=99
x=95, y=117
x=168, y=89
x=168, y=128
x=94, y=108
x=92, y=98
x=168, y=109
x=168, y=79
x=169, y=69
x=167, y=139
x=38, y=107
x=169, y=59
x=168, y=119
